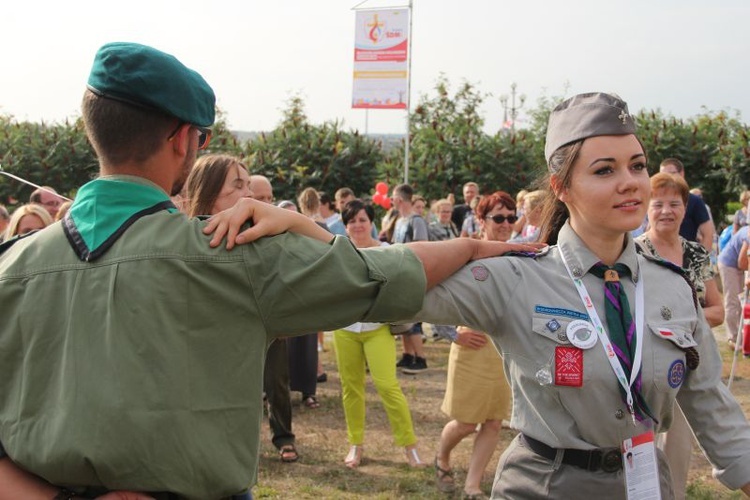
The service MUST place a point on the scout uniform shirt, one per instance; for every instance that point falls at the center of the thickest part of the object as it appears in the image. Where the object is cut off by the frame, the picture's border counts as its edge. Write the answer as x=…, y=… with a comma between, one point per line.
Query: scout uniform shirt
x=526, y=304
x=131, y=353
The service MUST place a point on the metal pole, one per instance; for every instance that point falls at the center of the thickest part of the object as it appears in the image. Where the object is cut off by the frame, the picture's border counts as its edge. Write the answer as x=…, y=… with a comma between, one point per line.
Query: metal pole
x=408, y=92
x=19, y=179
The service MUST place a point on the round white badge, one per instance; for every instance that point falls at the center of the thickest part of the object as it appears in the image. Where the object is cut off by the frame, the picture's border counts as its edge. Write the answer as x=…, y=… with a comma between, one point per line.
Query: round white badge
x=581, y=334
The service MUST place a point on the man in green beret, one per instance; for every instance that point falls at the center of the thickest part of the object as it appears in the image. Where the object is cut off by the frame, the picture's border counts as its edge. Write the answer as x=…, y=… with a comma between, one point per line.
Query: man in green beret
x=143, y=371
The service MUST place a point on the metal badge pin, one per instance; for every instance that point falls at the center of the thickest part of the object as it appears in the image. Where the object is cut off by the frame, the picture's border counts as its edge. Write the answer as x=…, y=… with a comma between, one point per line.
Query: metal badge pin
x=623, y=116
x=581, y=334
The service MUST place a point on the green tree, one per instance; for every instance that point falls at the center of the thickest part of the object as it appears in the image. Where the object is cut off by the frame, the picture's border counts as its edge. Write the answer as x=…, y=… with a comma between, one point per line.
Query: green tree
x=58, y=155
x=449, y=147
x=298, y=154
x=713, y=146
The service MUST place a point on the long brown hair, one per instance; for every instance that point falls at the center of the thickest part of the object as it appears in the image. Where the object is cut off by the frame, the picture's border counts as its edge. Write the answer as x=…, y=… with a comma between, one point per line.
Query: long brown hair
x=205, y=181
x=554, y=211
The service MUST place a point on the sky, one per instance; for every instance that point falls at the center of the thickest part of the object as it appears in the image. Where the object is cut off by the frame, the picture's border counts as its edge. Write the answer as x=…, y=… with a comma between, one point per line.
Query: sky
x=680, y=56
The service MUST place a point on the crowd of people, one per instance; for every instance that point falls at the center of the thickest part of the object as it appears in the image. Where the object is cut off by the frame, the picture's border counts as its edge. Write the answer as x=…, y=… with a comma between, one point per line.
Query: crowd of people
x=592, y=336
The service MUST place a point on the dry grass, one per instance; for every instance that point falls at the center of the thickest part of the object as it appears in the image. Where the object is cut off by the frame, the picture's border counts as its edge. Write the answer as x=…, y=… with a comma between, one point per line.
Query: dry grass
x=321, y=442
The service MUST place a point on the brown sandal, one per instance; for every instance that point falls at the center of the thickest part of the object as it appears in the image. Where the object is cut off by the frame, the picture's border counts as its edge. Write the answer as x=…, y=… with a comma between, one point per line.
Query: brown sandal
x=444, y=478
x=288, y=453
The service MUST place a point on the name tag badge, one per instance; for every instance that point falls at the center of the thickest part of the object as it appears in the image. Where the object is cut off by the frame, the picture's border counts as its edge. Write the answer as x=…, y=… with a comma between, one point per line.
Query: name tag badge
x=581, y=334
x=568, y=366
x=641, y=468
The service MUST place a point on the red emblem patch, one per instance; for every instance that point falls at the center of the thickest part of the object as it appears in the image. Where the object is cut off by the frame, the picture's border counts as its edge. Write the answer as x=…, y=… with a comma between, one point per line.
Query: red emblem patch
x=568, y=366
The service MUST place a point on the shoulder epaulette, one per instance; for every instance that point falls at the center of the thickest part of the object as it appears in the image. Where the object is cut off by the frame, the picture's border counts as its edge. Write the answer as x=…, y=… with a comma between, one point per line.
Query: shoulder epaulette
x=533, y=255
x=674, y=268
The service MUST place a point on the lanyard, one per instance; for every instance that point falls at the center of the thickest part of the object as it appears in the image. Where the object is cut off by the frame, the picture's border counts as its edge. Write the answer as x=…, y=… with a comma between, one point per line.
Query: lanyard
x=606, y=343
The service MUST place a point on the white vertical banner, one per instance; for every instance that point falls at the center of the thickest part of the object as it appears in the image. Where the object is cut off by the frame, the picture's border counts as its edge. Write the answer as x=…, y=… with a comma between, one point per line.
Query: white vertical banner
x=381, y=45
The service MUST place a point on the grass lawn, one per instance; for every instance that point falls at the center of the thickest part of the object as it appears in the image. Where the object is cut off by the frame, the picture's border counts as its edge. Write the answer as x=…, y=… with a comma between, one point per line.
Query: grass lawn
x=321, y=442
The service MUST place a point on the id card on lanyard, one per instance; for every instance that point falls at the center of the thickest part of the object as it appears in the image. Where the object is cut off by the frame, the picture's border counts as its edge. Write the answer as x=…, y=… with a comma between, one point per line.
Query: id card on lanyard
x=639, y=452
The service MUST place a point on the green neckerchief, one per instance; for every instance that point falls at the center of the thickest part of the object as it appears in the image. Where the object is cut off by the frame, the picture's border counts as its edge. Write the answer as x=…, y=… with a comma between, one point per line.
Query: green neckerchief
x=104, y=208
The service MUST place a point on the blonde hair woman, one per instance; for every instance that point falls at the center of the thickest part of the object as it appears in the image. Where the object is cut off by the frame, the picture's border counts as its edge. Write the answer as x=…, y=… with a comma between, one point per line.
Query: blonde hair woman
x=27, y=218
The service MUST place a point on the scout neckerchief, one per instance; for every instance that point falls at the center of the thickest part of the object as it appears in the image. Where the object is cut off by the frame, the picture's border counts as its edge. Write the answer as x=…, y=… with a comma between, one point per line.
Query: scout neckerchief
x=625, y=382
x=105, y=208
x=621, y=328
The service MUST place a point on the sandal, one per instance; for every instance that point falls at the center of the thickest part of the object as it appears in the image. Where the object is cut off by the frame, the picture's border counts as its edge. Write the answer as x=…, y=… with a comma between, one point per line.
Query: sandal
x=288, y=453
x=444, y=478
x=412, y=458
x=354, y=458
x=311, y=402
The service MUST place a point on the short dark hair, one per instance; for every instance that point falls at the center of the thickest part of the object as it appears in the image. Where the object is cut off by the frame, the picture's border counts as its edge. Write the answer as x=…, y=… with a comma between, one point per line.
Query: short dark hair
x=352, y=208
x=404, y=191
x=120, y=132
x=326, y=200
x=673, y=161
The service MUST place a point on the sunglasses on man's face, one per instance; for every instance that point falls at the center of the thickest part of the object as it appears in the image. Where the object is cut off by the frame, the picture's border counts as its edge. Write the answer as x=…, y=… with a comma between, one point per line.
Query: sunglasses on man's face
x=204, y=134
x=499, y=219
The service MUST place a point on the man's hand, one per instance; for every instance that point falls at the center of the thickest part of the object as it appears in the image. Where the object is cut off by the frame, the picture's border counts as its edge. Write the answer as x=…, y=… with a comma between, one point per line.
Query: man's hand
x=268, y=220
x=486, y=248
x=470, y=338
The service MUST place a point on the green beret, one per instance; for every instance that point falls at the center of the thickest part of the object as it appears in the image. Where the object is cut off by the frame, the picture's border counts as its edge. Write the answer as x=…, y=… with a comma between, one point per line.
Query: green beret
x=146, y=77
x=587, y=115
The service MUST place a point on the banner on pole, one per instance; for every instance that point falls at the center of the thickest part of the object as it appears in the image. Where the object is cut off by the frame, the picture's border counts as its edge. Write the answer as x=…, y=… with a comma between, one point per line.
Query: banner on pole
x=381, y=44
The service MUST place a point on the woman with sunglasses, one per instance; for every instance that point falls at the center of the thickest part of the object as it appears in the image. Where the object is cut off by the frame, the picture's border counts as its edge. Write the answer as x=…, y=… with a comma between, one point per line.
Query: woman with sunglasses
x=597, y=341
x=477, y=395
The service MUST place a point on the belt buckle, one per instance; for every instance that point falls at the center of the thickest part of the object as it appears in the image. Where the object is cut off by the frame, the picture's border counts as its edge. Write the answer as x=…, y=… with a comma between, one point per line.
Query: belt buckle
x=611, y=461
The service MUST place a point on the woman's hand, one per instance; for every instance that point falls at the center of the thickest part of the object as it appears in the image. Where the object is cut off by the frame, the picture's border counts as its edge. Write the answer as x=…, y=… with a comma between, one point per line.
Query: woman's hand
x=470, y=338
x=268, y=220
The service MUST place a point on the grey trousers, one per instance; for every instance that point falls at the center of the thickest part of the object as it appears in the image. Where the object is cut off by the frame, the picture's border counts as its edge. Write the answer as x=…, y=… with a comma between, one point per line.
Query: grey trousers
x=522, y=474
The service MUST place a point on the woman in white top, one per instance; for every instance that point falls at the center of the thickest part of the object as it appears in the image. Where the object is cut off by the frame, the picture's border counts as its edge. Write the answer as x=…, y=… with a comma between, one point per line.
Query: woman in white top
x=371, y=345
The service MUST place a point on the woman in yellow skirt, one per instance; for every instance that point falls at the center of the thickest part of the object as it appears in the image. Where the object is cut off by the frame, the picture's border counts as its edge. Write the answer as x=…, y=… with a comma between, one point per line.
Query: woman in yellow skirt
x=477, y=395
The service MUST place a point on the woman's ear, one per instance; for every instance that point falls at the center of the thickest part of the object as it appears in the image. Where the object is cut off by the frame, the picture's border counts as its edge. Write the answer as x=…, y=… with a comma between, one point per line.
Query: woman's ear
x=561, y=193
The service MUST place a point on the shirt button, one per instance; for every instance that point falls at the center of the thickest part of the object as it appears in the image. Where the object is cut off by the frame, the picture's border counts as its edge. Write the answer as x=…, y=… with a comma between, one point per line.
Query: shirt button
x=619, y=414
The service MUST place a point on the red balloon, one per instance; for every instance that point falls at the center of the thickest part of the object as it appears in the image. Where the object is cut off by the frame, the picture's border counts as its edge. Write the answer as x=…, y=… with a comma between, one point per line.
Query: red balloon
x=378, y=198
x=386, y=203
x=382, y=188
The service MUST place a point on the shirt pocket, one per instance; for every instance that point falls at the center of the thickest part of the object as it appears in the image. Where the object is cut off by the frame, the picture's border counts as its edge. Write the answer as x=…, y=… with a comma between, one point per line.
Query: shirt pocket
x=668, y=341
x=550, y=333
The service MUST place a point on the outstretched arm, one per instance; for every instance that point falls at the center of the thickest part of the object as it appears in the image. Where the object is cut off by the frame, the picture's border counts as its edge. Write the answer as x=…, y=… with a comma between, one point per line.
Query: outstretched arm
x=439, y=258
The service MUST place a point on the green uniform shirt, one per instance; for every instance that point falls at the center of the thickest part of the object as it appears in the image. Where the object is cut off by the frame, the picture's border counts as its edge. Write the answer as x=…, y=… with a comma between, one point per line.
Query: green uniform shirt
x=526, y=304
x=131, y=353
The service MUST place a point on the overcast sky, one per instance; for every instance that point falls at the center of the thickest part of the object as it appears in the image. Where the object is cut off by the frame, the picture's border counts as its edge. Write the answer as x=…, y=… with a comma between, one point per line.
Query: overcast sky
x=677, y=55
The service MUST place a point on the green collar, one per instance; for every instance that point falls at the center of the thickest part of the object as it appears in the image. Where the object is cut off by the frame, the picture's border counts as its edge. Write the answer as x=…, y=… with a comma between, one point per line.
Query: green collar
x=104, y=208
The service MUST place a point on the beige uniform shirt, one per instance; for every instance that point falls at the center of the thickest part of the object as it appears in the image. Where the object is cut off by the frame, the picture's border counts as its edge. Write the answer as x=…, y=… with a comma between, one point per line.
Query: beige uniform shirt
x=526, y=304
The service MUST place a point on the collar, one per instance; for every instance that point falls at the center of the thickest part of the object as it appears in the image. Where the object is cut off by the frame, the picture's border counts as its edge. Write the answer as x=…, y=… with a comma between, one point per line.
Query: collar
x=106, y=207
x=581, y=259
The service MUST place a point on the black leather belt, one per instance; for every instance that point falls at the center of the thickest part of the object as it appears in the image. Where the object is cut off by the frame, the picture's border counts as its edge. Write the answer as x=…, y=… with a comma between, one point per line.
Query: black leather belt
x=604, y=459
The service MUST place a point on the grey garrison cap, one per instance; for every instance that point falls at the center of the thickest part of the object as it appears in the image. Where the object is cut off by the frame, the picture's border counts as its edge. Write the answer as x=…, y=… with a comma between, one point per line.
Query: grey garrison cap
x=587, y=115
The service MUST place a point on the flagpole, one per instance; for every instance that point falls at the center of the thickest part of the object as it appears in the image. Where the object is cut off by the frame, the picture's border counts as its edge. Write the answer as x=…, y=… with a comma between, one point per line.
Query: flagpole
x=408, y=93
